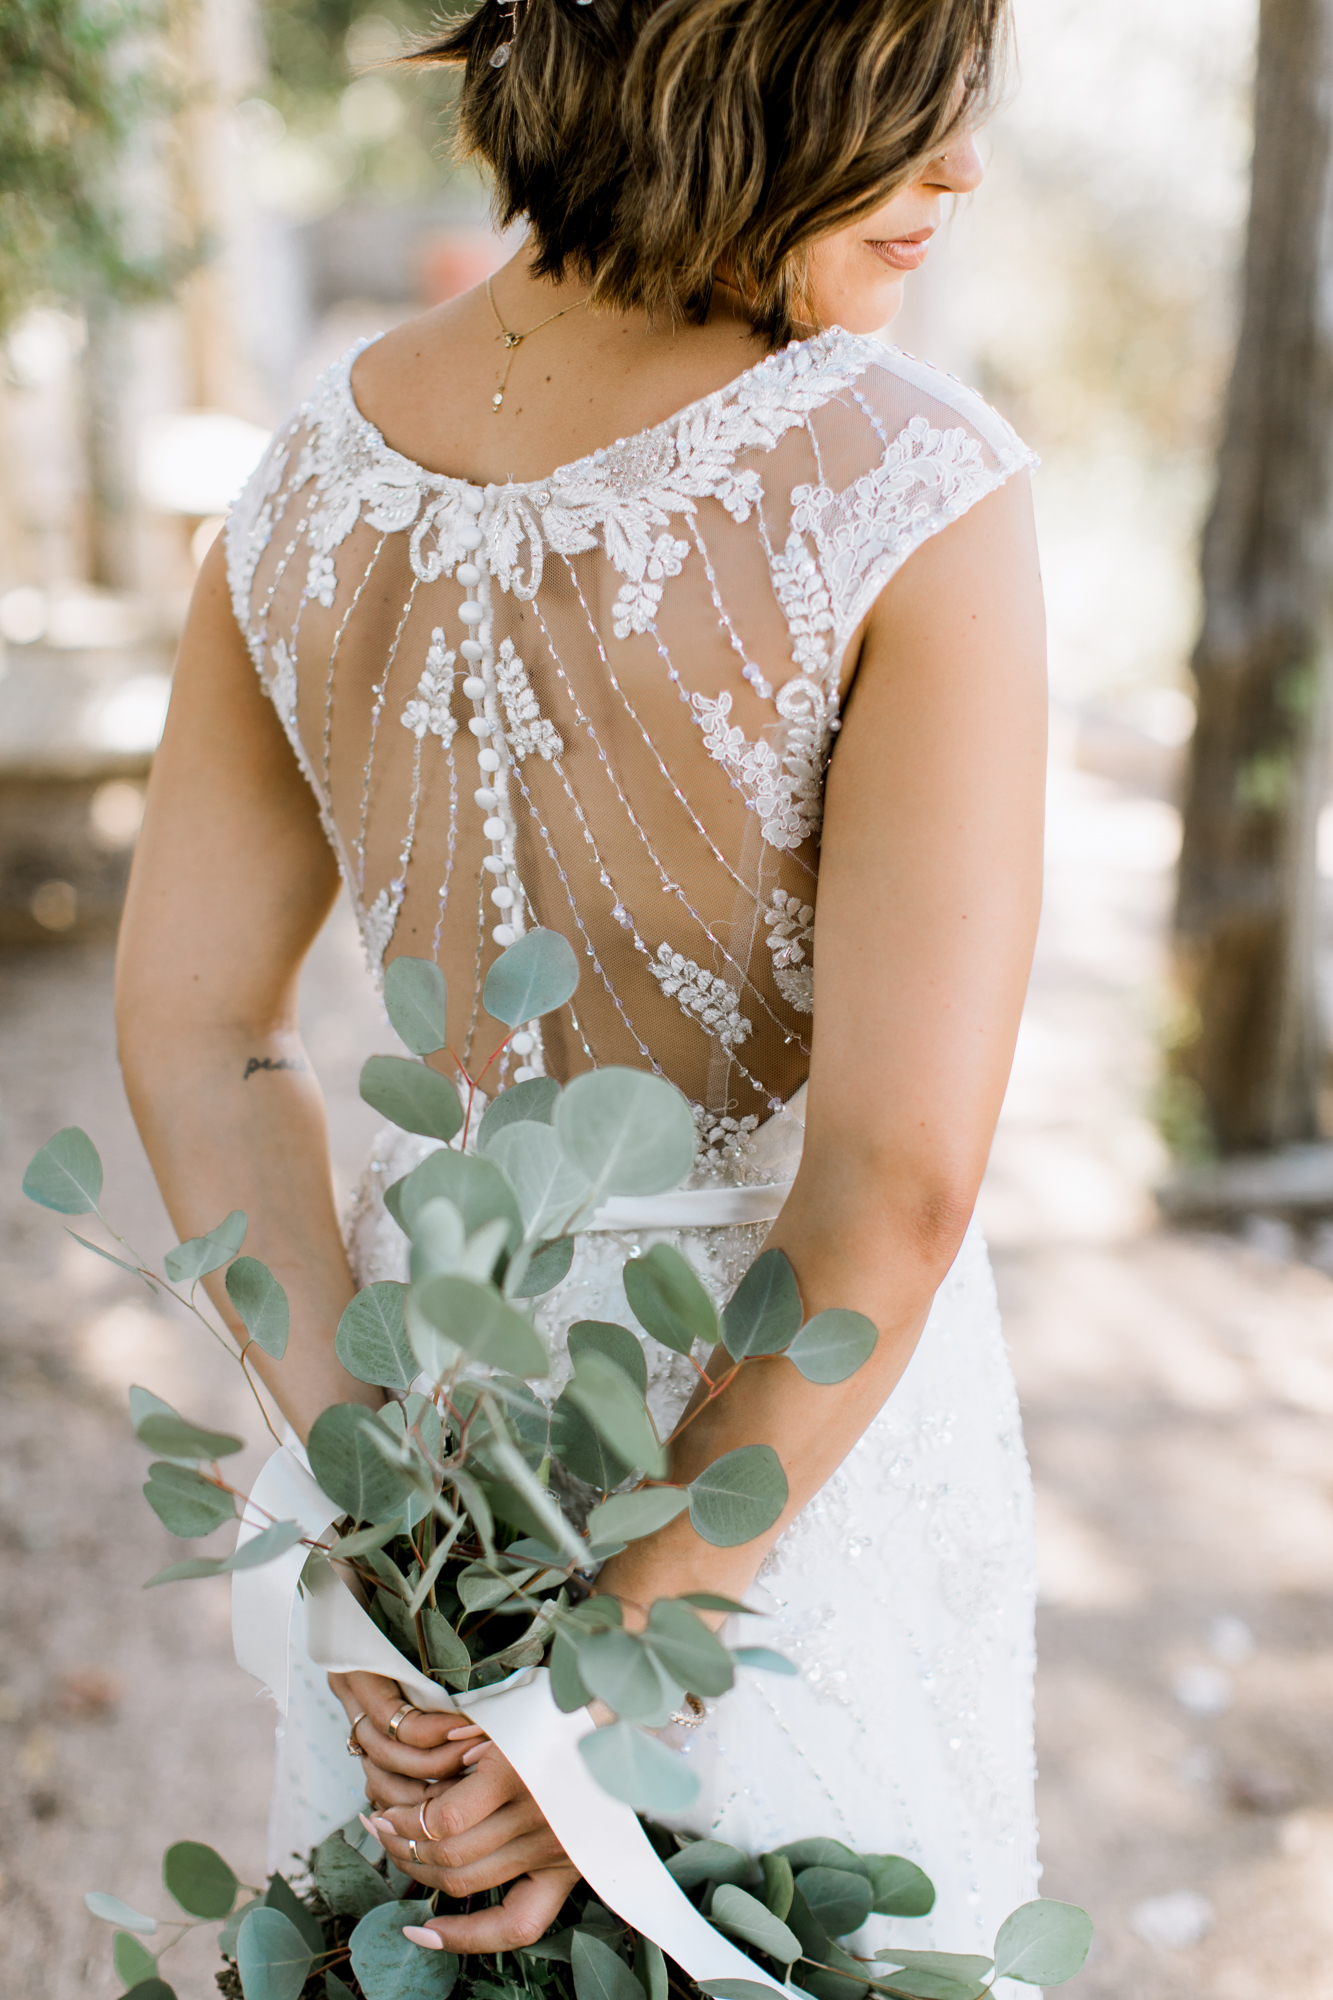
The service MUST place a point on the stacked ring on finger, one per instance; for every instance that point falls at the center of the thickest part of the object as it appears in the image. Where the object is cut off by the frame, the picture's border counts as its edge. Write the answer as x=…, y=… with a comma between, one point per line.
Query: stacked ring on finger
x=354, y=1748
x=398, y=1718
x=415, y=1856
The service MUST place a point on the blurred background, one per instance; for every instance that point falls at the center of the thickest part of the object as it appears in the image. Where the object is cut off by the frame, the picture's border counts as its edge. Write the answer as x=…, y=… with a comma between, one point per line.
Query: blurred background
x=200, y=209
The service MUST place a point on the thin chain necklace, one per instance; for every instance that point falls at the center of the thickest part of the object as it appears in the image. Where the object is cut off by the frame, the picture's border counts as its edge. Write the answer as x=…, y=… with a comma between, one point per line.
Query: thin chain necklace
x=513, y=340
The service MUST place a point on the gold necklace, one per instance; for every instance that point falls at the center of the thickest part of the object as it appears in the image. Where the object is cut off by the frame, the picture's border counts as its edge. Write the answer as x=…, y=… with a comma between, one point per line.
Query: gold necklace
x=513, y=340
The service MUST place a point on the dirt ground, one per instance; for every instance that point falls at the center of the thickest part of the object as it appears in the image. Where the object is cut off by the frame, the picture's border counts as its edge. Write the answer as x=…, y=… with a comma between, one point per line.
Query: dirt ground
x=1178, y=1393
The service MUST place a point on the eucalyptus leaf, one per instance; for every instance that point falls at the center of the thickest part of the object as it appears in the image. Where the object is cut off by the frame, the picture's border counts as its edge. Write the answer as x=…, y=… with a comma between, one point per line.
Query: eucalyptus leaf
x=821, y=1852
x=475, y=1318
x=521, y=1479
x=531, y=978
x=231, y=1930
x=261, y=1303
x=540, y=1269
x=620, y=1668
x=629, y=1131
x=837, y=1899
x=549, y=1187
x=162, y=1429
x=709, y=1600
x=280, y=1895
x=475, y=1186
x=779, y=1883
x=119, y=1262
x=568, y=1690
x=535, y=1098
x=389, y=1966
x=628, y=1516
x=439, y=1238
x=833, y=1345
x=617, y=1343
x=66, y=1174
x=1043, y=1943
x=411, y=1095
x=744, y=1916
x=709, y=1861
x=346, y=1880
x=272, y=1541
x=599, y=1972
x=444, y=1649
x=668, y=1299
x=739, y=1496
x=923, y=1984
x=416, y=1002
x=200, y=1880
x=198, y=1255
x=764, y=1311
x=684, y=1648
x=151, y=1989
x=336, y=1989
x=650, y=1968
x=133, y=1962
x=362, y=1540
x=184, y=1501
x=344, y=1458
x=763, y=1658
x=606, y=1395
x=901, y=1889
x=371, y=1341
x=638, y=1769
x=580, y=1448
x=112, y=1911
x=273, y=1958
x=965, y=1966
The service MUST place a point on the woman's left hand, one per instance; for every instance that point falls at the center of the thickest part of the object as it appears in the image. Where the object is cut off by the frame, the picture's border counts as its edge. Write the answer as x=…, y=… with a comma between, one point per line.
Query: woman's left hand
x=478, y=1832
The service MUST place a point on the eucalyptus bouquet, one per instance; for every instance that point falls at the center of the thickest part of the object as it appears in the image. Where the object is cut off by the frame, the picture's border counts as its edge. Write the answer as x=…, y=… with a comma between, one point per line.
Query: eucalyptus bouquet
x=342, y=1939
x=450, y=1524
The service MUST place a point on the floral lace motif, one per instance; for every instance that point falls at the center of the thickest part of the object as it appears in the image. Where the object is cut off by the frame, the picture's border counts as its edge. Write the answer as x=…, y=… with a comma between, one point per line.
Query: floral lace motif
x=714, y=1004
x=435, y=691
x=784, y=786
x=528, y=730
x=791, y=933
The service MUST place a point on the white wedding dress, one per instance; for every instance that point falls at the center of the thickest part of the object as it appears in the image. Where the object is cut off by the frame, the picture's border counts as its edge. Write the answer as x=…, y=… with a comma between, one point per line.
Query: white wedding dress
x=604, y=702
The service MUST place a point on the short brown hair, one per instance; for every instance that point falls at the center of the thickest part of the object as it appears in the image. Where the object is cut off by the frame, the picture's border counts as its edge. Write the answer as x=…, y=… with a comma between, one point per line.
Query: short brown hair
x=647, y=141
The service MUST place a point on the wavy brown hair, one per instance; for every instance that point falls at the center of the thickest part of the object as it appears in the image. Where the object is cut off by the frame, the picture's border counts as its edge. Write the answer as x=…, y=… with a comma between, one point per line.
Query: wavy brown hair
x=648, y=142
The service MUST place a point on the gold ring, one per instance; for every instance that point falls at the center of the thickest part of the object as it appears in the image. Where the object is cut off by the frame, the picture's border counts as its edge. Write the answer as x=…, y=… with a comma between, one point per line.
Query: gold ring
x=397, y=1719
x=425, y=1830
x=415, y=1856
x=692, y=1714
x=353, y=1747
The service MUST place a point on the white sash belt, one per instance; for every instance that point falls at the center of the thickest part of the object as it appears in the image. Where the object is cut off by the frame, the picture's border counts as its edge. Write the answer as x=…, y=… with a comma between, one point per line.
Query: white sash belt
x=692, y=1208
x=602, y=1837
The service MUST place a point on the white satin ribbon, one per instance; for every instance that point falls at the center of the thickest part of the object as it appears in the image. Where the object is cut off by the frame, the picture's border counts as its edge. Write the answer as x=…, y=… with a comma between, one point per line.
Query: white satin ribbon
x=692, y=1208
x=601, y=1836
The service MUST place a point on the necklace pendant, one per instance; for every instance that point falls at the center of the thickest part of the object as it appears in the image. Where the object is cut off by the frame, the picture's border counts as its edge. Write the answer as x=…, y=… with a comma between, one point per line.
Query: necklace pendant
x=497, y=399
x=512, y=339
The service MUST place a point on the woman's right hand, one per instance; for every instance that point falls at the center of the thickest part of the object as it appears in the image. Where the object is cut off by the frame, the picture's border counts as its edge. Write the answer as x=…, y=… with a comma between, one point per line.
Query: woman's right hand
x=425, y=1750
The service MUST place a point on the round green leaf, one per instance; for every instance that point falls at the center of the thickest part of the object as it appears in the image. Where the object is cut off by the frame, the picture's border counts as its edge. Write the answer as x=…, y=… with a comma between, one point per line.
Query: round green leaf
x=638, y=1769
x=606, y=1395
x=280, y=1895
x=764, y=1311
x=668, y=1300
x=581, y=1449
x=534, y=1099
x=627, y=1516
x=262, y=1304
x=684, y=1647
x=599, y=1972
x=833, y=1345
x=389, y=1966
x=901, y=1889
x=820, y=1852
x=272, y=1541
x=617, y=1343
x=567, y=1689
x=176, y=1437
x=336, y=1989
x=416, y=1003
x=186, y=1503
x=475, y=1318
x=629, y=1131
x=744, y=1916
x=540, y=1269
x=66, y=1174
x=346, y=1880
x=133, y=1961
x=1043, y=1943
x=549, y=1187
x=837, y=1899
x=965, y=1970
x=618, y=1666
x=273, y=1958
x=411, y=1096
x=151, y=1989
x=476, y=1187
x=709, y=1861
x=346, y=1460
x=199, y=1879
x=531, y=978
x=764, y=1658
x=371, y=1341
x=779, y=1883
x=739, y=1496
x=112, y=1911
x=198, y=1255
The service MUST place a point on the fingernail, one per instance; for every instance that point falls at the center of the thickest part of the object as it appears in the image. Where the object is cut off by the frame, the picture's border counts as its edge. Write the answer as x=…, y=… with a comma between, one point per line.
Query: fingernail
x=468, y=1729
x=367, y=1825
x=379, y=1826
x=428, y=1940
x=471, y=1756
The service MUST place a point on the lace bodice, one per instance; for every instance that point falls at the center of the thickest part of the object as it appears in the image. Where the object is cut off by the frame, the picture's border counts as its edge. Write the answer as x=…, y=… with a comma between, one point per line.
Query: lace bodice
x=605, y=701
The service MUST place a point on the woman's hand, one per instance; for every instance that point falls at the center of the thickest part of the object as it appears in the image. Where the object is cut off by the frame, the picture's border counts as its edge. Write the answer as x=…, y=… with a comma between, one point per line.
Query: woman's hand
x=476, y=1826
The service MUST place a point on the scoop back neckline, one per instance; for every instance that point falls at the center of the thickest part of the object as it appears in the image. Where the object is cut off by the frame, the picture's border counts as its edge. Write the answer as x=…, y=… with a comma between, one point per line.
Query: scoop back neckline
x=829, y=339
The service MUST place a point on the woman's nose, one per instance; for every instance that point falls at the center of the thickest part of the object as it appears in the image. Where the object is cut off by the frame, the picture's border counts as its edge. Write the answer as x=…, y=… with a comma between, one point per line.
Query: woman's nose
x=960, y=170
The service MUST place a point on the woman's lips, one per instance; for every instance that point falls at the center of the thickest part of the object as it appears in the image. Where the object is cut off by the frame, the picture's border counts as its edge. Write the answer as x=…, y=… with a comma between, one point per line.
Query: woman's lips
x=903, y=253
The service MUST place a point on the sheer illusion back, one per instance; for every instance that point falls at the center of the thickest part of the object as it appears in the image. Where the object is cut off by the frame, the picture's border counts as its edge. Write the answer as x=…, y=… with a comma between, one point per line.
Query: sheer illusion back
x=604, y=701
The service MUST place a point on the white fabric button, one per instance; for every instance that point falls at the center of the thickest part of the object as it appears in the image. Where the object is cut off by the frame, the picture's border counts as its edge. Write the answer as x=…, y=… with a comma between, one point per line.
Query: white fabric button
x=473, y=499
x=469, y=538
x=485, y=798
x=474, y=687
x=494, y=829
x=471, y=613
x=489, y=760
x=468, y=574
x=505, y=934
x=472, y=649
x=502, y=898
x=525, y=1073
x=522, y=1043
x=479, y=725
x=494, y=864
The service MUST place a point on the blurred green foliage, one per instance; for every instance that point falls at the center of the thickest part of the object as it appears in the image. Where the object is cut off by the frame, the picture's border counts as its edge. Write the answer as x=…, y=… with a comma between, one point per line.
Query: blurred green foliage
x=77, y=83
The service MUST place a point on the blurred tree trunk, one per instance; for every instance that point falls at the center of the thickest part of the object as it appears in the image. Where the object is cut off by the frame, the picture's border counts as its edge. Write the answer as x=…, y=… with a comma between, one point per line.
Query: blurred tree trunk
x=107, y=448
x=1253, y=1049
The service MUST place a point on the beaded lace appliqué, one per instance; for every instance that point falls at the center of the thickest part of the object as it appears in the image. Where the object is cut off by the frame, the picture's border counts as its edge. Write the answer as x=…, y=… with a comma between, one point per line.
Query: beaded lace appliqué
x=791, y=934
x=714, y=1004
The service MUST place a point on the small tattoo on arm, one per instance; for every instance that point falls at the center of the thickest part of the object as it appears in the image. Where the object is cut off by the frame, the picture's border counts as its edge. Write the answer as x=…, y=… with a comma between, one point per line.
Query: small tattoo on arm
x=271, y=1062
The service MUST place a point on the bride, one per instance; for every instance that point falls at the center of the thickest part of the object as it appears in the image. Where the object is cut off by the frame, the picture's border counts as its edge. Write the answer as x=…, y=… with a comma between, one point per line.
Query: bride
x=643, y=594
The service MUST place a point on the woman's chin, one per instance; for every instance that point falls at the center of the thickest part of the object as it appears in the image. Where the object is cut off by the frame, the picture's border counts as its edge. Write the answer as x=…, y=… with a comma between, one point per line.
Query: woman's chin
x=867, y=310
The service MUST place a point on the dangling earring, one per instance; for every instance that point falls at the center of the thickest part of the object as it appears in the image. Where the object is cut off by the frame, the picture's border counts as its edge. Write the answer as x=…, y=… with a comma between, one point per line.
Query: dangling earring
x=506, y=49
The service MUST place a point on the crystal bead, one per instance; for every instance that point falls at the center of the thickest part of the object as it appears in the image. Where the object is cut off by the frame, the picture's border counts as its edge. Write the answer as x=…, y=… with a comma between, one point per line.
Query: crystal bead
x=494, y=829
x=489, y=760
x=502, y=898
x=467, y=574
x=471, y=613
x=485, y=798
x=474, y=687
x=479, y=725
x=505, y=934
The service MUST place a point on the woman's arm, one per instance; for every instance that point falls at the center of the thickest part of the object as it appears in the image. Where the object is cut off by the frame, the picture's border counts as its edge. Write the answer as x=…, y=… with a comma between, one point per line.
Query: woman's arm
x=929, y=893
x=231, y=881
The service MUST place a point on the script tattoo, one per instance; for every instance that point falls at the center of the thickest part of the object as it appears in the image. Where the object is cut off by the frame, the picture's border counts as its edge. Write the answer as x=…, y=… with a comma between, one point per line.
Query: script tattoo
x=271, y=1062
